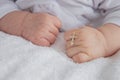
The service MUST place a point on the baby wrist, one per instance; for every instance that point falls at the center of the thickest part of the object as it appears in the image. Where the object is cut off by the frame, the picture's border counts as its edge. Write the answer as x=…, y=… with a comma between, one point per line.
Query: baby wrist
x=111, y=32
x=12, y=22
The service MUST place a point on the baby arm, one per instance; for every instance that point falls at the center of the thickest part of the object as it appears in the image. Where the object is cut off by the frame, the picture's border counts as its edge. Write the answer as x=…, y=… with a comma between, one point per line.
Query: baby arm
x=91, y=43
x=39, y=28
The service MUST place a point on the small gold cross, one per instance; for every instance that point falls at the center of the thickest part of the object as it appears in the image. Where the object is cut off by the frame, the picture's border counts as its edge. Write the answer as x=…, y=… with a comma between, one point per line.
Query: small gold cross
x=73, y=37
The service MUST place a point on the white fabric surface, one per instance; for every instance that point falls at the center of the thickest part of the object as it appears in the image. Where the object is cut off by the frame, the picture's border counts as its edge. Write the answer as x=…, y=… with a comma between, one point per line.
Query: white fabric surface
x=22, y=60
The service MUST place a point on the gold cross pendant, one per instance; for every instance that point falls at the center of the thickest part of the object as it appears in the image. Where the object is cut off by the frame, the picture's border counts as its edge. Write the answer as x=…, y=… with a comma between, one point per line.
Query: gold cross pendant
x=73, y=37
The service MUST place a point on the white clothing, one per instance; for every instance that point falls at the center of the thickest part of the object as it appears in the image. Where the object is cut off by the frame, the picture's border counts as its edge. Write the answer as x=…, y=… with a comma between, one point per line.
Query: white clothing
x=72, y=13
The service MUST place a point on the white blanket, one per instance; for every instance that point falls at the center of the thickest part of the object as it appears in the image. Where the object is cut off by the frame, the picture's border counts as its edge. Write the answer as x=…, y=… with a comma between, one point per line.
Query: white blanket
x=22, y=60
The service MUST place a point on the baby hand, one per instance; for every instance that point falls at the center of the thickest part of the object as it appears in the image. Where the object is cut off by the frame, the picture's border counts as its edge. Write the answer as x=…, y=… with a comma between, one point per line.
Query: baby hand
x=41, y=28
x=85, y=44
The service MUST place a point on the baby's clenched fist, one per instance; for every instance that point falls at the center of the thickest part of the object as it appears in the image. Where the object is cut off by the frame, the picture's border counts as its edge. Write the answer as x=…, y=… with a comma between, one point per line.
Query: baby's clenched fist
x=85, y=44
x=41, y=28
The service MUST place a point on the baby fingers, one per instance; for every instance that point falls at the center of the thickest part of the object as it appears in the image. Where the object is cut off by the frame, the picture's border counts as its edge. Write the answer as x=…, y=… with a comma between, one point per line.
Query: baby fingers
x=41, y=42
x=75, y=50
x=49, y=36
x=76, y=42
x=43, y=39
x=81, y=57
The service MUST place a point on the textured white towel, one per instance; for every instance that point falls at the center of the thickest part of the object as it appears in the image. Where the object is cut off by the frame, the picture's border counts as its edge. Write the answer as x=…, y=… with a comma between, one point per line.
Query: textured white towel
x=22, y=60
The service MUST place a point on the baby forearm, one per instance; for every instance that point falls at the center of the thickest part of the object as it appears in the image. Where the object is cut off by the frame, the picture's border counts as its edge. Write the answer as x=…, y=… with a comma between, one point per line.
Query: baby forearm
x=12, y=22
x=111, y=33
